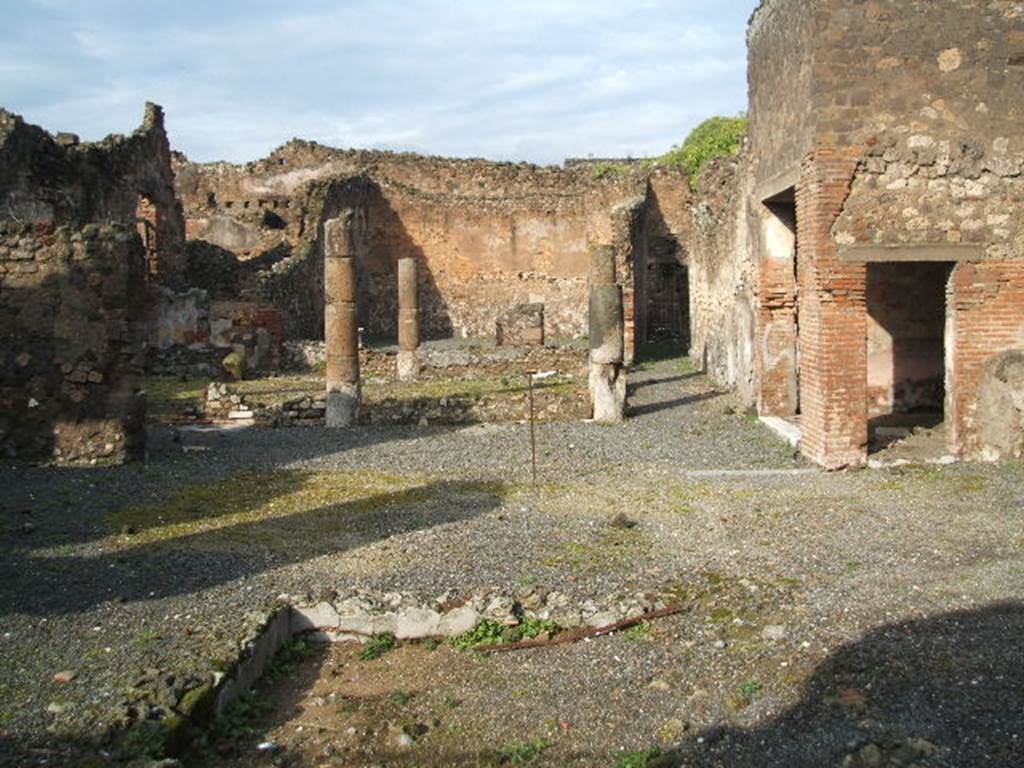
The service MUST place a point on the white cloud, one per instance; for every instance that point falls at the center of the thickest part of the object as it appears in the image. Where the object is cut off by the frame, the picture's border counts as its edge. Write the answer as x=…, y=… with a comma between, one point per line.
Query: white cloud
x=533, y=79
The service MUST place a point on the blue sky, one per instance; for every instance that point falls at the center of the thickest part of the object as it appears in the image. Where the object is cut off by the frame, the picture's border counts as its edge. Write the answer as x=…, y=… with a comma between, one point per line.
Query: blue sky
x=534, y=80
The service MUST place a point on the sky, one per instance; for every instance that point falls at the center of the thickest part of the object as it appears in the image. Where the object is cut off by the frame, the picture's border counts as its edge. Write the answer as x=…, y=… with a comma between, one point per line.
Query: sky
x=533, y=80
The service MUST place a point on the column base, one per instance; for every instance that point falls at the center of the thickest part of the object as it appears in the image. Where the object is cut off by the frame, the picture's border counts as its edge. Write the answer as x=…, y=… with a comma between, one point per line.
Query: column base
x=342, y=405
x=608, y=392
x=408, y=365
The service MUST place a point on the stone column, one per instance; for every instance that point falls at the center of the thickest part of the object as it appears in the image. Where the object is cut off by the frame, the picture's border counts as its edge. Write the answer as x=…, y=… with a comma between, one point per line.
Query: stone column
x=607, y=373
x=341, y=332
x=408, y=321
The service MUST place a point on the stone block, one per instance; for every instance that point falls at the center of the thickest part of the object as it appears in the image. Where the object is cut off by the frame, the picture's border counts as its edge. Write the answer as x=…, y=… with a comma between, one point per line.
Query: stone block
x=521, y=326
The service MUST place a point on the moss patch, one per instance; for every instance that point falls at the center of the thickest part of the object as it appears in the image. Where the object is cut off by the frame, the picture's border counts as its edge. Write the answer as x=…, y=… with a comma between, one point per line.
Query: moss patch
x=281, y=508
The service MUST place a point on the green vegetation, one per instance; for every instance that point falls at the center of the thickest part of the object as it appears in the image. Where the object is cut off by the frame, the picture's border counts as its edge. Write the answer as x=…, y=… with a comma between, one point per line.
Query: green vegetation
x=640, y=759
x=523, y=752
x=749, y=688
x=491, y=632
x=638, y=631
x=166, y=397
x=289, y=657
x=605, y=169
x=238, y=721
x=715, y=137
x=377, y=646
x=401, y=698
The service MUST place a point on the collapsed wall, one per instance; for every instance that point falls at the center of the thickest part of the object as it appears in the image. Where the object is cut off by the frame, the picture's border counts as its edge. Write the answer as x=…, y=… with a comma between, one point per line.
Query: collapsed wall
x=84, y=230
x=487, y=236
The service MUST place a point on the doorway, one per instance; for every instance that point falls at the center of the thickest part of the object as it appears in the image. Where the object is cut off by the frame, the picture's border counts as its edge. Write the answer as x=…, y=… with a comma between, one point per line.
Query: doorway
x=906, y=357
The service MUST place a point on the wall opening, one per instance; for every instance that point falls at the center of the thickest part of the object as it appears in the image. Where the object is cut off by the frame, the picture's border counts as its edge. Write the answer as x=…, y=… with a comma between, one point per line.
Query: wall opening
x=906, y=328
x=780, y=361
x=667, y=294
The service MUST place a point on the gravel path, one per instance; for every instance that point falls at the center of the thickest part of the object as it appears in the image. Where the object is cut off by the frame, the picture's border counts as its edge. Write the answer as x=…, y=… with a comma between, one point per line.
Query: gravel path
x=146, y=577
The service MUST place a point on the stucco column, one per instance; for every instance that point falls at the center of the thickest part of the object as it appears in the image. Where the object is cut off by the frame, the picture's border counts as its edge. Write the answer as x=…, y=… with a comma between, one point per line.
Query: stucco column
x=341, y=332
x=607, y=373
x=408, y=321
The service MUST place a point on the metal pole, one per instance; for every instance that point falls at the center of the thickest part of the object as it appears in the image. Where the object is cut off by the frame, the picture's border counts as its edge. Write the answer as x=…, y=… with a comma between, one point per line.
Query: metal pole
x=533, y=435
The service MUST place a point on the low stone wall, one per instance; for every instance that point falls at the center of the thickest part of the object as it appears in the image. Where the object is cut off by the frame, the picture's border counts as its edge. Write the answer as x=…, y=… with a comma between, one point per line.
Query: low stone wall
x=361, y=614
x=73, y=337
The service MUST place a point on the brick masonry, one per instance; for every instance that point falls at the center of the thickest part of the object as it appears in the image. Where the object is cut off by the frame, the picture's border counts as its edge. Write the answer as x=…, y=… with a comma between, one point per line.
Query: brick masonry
x=900, y=134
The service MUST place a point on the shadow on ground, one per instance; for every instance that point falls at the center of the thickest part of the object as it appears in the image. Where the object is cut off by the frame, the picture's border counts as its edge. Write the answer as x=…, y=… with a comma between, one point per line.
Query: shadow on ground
x=230, y=530
x=942, y=691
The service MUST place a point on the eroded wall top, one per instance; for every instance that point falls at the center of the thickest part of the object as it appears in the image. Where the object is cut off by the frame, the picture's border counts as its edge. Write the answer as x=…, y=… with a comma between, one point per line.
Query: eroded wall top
x=58, y=180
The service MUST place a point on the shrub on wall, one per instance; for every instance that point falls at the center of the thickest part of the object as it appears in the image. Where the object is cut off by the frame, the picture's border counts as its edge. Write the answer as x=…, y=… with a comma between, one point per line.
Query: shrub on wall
x=715, y=137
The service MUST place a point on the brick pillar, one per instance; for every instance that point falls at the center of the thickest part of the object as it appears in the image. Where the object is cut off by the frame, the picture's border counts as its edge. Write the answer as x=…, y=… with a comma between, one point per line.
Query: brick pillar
x=985, y=317
x=341, y=332
x=833, y=318
x=408, y=321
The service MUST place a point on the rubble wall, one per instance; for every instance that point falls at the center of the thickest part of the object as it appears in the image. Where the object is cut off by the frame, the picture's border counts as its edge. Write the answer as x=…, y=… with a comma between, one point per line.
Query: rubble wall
x=722, y=278
x=72, y=342
x=488, y=236
x=121, y=179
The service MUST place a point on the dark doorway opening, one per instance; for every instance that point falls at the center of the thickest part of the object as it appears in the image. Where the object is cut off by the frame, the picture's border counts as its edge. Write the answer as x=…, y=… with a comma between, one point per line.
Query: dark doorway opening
x=906, y=328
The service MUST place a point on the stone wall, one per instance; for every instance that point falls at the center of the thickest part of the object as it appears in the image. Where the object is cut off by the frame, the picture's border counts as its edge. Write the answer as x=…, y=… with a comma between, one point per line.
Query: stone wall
x=488, y=236
x=781, y=40
x=722, y=278
x=71, y=341
x=86, y=230
x=124, y=180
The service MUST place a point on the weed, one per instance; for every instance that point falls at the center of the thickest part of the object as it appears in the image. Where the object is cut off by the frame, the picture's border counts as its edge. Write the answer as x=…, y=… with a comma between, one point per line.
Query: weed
x=522, y=752
x=147, y=638
x=749, y=688
x=640, y=759
x=638, y=631
x=715, y=137
x=401, y=698
x=146, y=739
x=451, y=702
x=377, y=646
x=289, y=657
x=238, y=720
x=491, y=632
x=603, y=170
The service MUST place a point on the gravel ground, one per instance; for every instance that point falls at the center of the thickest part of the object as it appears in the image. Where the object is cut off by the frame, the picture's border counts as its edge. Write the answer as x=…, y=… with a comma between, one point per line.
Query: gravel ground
x=868, y=609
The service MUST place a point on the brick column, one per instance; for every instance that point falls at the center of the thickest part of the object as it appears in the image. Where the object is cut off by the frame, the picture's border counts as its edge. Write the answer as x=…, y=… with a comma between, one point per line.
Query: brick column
x=408, y=321
x=985, y=317
x=341, y=332
x=833, y=319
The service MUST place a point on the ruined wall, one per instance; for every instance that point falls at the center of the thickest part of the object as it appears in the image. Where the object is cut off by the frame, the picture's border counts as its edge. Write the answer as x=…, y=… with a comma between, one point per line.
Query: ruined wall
x=781, y=45
x=904, y=115
x=722, y=277
x=943, y=150
x=117, y=180
x=488, y=236
x=71, y=341
x=86, y=230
